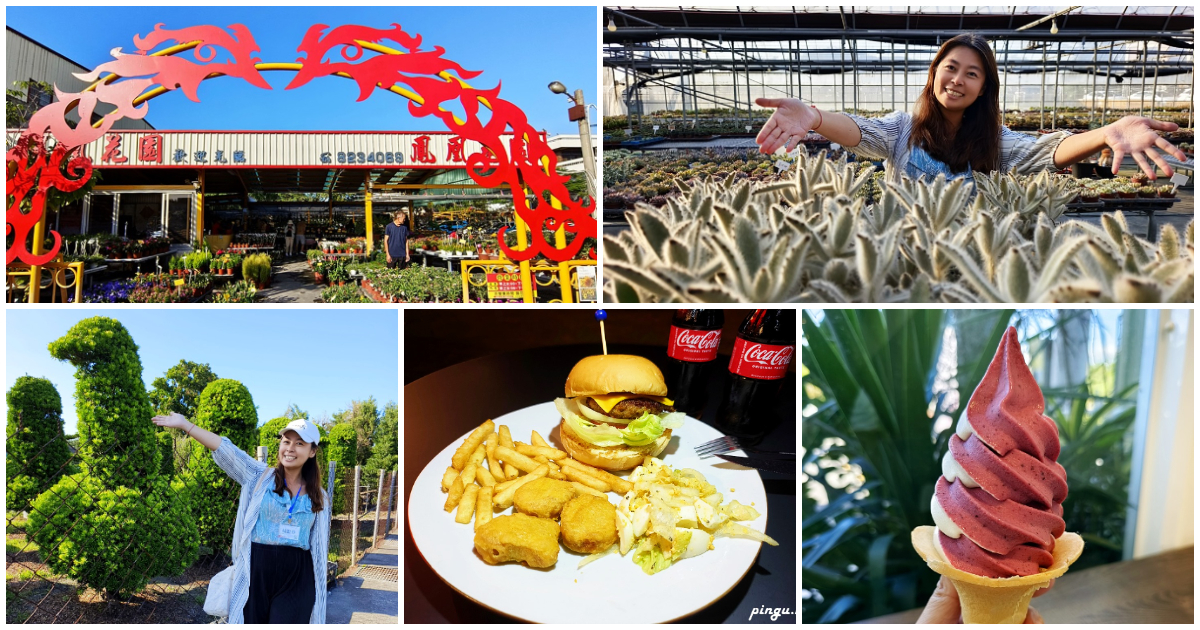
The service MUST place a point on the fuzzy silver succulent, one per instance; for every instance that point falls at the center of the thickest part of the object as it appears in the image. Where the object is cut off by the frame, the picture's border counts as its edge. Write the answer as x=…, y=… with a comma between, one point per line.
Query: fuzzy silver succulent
x=813, y=237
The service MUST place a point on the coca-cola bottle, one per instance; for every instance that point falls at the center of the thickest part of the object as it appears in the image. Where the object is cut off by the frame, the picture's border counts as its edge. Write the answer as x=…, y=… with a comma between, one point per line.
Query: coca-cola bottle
x=763, y=351
x=691, y=352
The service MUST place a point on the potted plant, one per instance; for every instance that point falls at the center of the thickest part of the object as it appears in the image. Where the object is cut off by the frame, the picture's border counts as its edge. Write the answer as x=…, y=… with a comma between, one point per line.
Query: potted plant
x=1166, y=191
x=1127, y=191
x=1147, y=192
x=1089, y=195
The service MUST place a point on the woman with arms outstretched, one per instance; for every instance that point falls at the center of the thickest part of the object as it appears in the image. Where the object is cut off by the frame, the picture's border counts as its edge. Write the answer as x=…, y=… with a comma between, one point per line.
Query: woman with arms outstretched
x=957, y=130
x=281, y=535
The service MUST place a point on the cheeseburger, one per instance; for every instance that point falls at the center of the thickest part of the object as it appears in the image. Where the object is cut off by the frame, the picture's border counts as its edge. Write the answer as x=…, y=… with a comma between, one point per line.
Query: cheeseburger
x=616, y=411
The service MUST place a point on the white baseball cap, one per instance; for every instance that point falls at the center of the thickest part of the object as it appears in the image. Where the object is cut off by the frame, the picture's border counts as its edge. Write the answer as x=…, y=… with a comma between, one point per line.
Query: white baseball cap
x=306, y=430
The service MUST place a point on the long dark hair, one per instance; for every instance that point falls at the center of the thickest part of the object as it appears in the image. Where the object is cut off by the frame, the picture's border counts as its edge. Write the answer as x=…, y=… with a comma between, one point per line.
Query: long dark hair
x=311, y=474
x=978, y=140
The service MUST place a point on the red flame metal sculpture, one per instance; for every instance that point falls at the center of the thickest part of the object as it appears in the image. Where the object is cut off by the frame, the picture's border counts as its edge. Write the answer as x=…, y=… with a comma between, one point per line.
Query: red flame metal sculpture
x=517, y=165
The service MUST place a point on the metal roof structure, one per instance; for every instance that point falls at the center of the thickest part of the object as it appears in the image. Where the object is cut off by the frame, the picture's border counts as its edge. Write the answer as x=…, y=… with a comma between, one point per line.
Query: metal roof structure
x=774, y=51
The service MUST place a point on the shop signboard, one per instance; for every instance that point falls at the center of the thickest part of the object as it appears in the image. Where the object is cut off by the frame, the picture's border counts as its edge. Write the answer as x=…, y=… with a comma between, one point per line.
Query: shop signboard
x=504, y=286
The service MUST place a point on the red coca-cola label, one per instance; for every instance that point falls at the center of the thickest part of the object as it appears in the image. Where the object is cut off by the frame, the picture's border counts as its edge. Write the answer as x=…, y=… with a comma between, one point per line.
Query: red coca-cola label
x=760, y=361
x=695, y=346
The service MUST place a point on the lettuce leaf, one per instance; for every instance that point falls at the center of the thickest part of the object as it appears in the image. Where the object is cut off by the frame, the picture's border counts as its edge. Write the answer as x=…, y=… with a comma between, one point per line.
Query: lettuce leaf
x=646, y=429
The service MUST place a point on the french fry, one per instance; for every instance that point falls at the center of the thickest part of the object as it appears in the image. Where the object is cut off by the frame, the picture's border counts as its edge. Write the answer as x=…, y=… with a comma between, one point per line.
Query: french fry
x=448, y=478
x=494, y=464
x=466, y=505
x=541, y=459
x=510, y=456
x=500, y=487
x=575, y=474
x=510, y=470
x=504, y=500
x=532, y=451
x=483, y=507
x=468, y=474
x=537, y=440
x=468, y=446
x=483, y=477
x=582, y=489
x=456, y=492
x=478, y=455
x=620, y=485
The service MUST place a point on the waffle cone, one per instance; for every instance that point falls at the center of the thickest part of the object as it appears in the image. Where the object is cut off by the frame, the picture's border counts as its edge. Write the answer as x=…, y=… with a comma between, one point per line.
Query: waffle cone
x=995, y=600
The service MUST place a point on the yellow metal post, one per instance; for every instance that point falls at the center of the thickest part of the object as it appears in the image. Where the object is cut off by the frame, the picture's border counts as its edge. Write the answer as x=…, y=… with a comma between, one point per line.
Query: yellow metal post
x=370, y=224
x=35, y=271
x=560, y=242
x=199, y=237
x=526, y=274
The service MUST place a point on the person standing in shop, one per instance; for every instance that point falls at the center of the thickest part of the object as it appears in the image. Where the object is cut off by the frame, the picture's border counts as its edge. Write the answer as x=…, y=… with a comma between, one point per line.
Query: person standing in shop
x=395, y=242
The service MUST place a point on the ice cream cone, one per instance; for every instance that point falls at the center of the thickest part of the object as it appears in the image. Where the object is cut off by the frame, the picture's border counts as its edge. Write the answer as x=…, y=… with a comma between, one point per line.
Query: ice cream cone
x=995, y=600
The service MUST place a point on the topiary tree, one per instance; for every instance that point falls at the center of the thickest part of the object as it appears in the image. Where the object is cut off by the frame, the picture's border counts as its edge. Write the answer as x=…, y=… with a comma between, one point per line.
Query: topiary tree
x=166, y=444
x=226, y=408
x=37, y=451
x=383, y=453
x=179, y=389
x=342, y=448
x=119, y=522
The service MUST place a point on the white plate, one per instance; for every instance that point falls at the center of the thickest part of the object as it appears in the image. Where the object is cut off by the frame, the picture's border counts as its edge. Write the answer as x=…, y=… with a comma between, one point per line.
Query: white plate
x=610, y=590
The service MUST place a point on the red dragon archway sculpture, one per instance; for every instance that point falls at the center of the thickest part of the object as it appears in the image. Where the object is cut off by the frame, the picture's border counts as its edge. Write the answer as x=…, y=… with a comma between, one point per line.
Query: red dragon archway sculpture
x=523, y=162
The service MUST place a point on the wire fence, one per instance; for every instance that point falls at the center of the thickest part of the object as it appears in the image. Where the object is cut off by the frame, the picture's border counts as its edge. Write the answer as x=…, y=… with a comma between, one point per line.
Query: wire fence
x=82, y=550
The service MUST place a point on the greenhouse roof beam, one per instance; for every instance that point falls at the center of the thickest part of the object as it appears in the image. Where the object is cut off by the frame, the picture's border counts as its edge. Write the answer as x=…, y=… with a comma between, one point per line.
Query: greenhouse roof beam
x=646, y=34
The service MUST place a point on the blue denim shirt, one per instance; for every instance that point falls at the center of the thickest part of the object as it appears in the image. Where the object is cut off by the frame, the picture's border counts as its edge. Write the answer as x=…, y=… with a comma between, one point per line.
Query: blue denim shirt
x=922, y=165
x=274, y=511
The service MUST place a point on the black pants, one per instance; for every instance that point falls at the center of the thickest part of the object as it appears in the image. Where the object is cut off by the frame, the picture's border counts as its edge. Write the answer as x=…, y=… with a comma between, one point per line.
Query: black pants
x=281, y=585
x=397, y=263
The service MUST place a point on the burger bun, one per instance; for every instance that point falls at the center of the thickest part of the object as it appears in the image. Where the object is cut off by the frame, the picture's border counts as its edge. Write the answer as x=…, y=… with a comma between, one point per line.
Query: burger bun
x=613, y=458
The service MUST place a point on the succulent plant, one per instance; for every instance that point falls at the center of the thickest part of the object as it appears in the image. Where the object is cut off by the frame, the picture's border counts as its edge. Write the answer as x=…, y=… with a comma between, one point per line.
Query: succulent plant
x=812, y=237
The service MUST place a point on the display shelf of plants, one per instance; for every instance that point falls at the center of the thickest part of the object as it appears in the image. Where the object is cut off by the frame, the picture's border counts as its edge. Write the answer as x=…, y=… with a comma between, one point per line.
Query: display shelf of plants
x=351, y=247
x=252, y=242
x=813, y=236
x=191, y=277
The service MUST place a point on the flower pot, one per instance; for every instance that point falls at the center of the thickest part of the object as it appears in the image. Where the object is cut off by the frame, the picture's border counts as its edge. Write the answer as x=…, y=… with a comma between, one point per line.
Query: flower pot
x=1166, y=195
x=1125, y=195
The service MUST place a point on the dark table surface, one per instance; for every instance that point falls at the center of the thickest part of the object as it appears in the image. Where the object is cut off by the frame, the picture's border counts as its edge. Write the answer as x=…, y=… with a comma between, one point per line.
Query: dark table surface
x=441, y=407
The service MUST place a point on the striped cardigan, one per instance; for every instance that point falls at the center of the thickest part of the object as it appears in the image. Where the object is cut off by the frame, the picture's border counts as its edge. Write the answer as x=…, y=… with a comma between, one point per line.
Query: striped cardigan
x=248, y=471
x=886, y=138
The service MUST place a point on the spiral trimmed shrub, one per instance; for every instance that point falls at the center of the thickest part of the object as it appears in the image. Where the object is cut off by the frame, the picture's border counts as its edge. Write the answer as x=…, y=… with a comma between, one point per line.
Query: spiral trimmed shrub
x=119, y=522
x=226, y=408
x=37, y=451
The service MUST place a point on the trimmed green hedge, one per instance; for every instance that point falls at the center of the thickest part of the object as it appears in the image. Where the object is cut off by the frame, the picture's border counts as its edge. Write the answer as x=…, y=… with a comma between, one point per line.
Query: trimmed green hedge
x=226, y=408
x=37, y=450
x=343, y=449
x=383, y=453
x=119, y=522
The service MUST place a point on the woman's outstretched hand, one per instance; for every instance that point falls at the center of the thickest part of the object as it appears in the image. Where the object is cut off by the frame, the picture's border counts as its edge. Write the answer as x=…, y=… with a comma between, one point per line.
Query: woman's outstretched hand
x=792, y=120
x=171, y=421
x=1135, y=135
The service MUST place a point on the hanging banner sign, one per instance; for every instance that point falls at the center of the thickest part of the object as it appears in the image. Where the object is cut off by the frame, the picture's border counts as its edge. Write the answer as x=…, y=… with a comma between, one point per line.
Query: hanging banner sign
x=265, y=149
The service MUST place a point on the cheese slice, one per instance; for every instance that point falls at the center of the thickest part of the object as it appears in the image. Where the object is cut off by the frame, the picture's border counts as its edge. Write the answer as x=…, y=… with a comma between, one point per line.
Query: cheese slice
x=608, y=401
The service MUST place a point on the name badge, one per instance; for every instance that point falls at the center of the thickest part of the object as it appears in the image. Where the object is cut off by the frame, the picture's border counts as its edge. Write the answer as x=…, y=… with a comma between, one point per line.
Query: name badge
x=289, y=532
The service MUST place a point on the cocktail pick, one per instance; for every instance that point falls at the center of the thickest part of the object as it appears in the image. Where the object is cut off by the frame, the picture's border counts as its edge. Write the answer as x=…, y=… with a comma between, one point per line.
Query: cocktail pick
x=602, y=315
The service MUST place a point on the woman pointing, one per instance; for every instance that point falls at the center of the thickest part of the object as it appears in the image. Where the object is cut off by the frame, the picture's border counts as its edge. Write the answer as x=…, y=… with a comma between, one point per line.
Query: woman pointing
x=957, y=130
x=281, y=535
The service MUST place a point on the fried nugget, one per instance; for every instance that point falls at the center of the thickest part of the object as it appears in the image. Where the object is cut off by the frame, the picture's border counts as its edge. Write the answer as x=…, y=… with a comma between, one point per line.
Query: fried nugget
x=518, y=538
x=589, y=524
x=543, y=497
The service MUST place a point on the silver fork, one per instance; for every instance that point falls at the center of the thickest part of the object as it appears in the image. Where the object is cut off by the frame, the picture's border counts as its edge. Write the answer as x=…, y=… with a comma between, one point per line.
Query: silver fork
x=726, y=444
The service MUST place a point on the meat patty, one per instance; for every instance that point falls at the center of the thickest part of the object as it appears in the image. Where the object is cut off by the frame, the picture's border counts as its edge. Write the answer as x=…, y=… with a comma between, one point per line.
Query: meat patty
x=630, y=409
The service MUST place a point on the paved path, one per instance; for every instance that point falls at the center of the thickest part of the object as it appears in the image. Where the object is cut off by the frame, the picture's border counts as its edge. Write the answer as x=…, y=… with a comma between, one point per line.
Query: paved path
x=365, y=599
x=293, y=282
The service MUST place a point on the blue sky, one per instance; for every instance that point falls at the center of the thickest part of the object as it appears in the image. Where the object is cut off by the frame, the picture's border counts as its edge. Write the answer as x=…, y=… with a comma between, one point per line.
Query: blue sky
x=521, y=48
x=332, y=356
